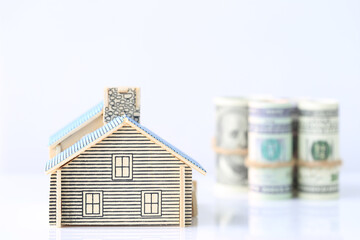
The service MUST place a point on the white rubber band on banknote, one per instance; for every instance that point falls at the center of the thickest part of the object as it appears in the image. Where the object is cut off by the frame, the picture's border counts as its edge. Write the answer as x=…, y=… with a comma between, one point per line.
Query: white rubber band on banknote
x=312, y=164
x=256, y=164
x=224, y=151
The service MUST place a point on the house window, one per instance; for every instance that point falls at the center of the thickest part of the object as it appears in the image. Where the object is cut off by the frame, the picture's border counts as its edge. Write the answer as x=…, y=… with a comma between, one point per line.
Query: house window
x=151, y=203
x=122, y=166
x=93, y=203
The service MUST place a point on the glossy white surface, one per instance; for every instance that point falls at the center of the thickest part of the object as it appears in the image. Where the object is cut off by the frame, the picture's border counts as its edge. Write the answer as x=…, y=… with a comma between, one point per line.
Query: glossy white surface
x=24, y=206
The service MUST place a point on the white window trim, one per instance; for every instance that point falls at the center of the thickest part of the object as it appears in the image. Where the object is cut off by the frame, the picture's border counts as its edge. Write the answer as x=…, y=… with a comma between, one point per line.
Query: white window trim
x=100, y=214
x=130, y=167
x=143, y=203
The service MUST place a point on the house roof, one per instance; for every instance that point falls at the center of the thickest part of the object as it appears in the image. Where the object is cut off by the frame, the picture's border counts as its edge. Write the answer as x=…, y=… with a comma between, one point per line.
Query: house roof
x=76, y=123
x=92, y=138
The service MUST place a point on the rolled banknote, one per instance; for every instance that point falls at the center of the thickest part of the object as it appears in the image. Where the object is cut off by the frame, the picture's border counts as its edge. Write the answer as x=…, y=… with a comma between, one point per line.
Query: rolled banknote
x=270, y=149
x=319, y=160
x=230, y=143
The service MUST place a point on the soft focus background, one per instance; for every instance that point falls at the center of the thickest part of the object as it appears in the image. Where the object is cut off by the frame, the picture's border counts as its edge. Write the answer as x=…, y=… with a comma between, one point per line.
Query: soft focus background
x=57, y=56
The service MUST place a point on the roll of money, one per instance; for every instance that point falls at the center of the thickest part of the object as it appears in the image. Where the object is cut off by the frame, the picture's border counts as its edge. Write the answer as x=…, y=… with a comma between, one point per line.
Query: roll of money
x=319, y=160
x=270, y=149
x=230, y=143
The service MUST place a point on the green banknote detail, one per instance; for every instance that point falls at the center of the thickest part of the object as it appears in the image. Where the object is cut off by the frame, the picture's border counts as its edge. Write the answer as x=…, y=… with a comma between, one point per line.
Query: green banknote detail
x=271, y=149
x=335, y=177
x=320, y=150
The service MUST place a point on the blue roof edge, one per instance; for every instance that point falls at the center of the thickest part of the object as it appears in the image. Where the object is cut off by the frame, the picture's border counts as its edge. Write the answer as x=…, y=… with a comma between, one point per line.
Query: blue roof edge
x=91, y=137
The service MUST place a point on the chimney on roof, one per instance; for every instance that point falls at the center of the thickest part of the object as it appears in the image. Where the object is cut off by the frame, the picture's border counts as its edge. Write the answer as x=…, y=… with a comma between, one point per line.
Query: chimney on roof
x=120, y=101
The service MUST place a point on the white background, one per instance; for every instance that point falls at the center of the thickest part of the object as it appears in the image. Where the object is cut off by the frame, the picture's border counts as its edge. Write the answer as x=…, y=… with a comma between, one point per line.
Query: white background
x=57, y=56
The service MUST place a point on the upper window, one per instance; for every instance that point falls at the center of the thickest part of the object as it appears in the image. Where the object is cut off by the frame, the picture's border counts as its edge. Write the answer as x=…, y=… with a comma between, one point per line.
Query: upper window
x=151, y=203
x=92, y=203
x=122, y=166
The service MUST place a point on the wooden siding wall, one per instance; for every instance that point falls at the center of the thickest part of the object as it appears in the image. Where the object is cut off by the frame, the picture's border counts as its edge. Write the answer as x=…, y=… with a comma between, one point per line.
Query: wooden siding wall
x=153, y=169
x=52, y=202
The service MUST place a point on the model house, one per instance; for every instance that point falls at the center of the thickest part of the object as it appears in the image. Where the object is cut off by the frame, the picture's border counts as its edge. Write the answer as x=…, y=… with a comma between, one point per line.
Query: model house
x=107, y=169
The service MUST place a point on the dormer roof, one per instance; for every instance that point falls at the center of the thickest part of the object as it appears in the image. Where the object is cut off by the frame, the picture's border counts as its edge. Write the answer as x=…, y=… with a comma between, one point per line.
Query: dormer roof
x=77, y=123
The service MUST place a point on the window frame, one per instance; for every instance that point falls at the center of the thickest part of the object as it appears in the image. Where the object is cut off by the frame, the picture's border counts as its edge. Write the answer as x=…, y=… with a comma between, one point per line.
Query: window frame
x=85, y=203
x=159, y=203
x=114, y=167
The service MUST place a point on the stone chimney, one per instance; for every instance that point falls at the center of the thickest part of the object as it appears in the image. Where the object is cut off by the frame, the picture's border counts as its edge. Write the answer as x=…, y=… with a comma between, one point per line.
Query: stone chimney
x=120, y=101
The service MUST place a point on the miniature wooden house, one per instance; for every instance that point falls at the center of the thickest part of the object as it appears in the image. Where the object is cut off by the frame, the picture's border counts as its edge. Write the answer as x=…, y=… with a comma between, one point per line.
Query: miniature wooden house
x=119, y=173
